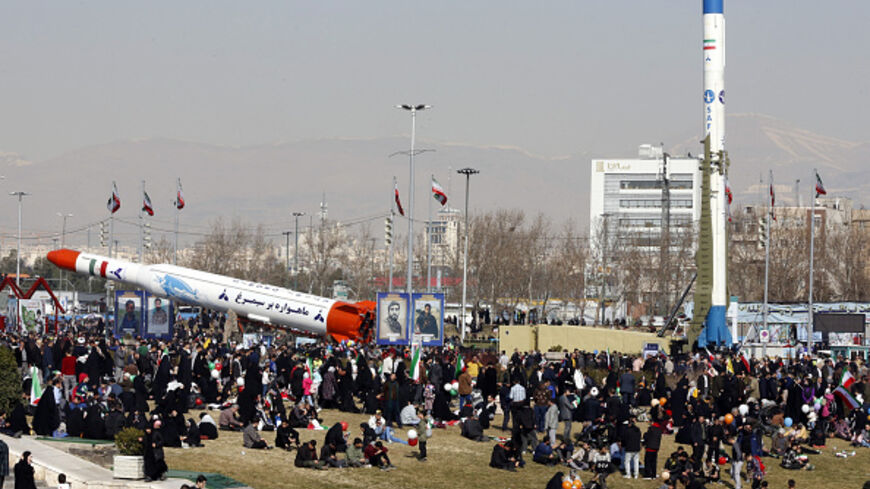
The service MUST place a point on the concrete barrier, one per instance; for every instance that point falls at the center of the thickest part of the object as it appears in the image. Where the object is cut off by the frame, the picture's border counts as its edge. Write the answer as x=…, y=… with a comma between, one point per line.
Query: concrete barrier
x=542, y=337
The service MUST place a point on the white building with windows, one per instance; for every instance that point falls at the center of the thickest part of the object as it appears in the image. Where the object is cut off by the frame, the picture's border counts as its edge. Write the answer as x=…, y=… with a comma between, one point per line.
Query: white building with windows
x=627, y=194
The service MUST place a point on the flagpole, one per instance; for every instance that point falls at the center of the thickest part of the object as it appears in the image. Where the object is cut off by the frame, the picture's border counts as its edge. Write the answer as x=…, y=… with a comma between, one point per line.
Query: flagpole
x=109, y=301
x=392, y=216
x=429, y=246
x=175, y=243
x=141, y=220
x=812, y=256
x=767, y=260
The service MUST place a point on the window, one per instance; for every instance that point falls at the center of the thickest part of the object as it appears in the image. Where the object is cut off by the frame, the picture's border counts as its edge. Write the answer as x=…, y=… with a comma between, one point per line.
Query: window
x=653, y=203
x=654, y=185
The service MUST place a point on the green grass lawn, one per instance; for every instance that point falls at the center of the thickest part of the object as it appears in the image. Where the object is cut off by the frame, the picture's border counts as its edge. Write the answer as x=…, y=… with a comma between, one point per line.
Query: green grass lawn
x=455, y=462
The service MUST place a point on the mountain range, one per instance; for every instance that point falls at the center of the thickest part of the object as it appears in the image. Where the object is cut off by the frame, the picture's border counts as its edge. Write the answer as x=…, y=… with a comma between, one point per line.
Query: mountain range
x=264, y=184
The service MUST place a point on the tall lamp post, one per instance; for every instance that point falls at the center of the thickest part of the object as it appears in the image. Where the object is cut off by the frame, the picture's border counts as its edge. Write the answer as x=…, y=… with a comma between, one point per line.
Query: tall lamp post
x=20, y=196
x=297, y=215
x=63, y=238
x=413, y=109
x=467, y=172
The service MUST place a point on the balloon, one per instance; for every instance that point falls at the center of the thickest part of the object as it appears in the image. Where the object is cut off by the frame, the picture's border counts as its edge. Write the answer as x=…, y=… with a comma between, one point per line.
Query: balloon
x=215, y=374
x=818, y=400
x=199, y=401
x=723, y=460
x=788, y=422
x=454, y=392
x=663, y=401
x=412, y=434
x=817, y=407
x=456, y=385
x=729, y=418
x=412, y=442
x=211, y=365
x=218, y=366
x=743, y=409
x=566, y=484
x=666, y=475
x=344, y=426
x=448, y=386
x=593, y=392
x=577, y=484
x=805, y=408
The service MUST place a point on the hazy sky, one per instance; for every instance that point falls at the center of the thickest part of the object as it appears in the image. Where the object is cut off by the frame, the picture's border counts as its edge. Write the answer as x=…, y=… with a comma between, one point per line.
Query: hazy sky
x=551, y=77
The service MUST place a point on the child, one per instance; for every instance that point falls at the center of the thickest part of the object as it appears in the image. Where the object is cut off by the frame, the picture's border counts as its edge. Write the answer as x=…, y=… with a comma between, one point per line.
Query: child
x=61, y=482
x=424, y=430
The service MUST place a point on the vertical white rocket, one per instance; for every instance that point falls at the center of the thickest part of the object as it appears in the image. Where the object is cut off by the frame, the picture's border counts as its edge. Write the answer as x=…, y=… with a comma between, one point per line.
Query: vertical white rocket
x=714, y=127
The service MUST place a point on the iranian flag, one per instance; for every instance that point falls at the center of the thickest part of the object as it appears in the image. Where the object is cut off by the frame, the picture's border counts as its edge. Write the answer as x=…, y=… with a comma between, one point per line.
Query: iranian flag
x=438, y=192
x=146, y=204
x=416, y=367
x=114, y=202
x=35, y=386
x=309, y=366
x=709, y=44
x=847, y=379
x=772, y=202
x=846, y=397
x=460, y=364
x=398, y=202
x=179, y=197
x=820, y=187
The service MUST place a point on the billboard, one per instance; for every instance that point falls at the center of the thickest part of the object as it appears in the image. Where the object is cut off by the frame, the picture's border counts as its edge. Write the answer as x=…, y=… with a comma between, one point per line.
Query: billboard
x=158, y=317
x=428, y=314
x=393, y=308
x=128, y=312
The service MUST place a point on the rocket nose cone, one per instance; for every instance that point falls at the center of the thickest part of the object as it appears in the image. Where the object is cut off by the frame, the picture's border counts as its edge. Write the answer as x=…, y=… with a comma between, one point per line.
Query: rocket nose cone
x=64, y=258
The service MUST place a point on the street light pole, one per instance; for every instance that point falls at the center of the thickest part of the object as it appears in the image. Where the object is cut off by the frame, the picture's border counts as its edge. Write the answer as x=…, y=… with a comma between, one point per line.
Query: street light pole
x=467, y=172
x=413, y=109
x=20, y=196
x=297, y=215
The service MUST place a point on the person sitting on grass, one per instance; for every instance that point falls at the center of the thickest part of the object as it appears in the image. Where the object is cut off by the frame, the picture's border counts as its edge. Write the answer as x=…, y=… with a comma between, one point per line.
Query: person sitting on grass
x=207, y=427
x=286, y=437
x=544, y=453
x=251, y=437
x=504, y=457
x=306, y=457
x=329, y=455
x=408, y=415
x=377, y=455
x=228, y=420
x=355, y=454
x=472, y=430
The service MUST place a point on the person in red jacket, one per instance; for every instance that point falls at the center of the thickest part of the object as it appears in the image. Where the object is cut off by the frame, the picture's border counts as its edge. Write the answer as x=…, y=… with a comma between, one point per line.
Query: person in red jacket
x=68, y=370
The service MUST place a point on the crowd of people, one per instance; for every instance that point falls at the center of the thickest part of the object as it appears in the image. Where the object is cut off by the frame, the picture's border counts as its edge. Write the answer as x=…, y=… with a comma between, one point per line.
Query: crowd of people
x=592, y=412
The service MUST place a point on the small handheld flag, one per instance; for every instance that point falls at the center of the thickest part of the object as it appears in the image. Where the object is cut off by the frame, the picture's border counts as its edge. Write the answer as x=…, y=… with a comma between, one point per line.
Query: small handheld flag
x=146, y=204
x=114, y=202
x=438, y=192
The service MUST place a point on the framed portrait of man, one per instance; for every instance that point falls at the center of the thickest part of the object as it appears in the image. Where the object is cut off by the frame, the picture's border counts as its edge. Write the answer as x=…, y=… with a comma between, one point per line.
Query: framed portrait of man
x=392, y=318
x=428, y=325
x=159, y=317
x=128, y=313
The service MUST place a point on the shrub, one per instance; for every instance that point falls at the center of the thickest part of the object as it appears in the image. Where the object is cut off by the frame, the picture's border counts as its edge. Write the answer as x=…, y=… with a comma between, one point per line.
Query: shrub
x=10, y=381
x=556, y=348
x=128, y=441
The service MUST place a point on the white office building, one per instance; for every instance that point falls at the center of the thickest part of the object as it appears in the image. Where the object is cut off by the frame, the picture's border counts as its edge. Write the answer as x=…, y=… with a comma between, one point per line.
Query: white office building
x=627, y=194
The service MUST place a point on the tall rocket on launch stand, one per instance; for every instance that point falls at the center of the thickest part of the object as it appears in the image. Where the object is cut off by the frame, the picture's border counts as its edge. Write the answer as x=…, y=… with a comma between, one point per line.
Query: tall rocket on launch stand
x=712, y=248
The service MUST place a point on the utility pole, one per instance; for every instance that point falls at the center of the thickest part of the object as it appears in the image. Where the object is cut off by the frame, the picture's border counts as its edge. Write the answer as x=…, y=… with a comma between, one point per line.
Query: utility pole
x=413, y=109
x=296, y=215
x=287, y=249
x=665, y=236
x=767, y=261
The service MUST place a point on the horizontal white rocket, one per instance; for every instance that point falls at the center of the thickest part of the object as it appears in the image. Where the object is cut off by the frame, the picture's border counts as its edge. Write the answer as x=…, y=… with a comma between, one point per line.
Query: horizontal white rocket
x=263, y=303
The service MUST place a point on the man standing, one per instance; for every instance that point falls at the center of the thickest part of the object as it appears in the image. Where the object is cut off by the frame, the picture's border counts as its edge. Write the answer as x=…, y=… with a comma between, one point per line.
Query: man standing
x=652, y=441
x=631, y=444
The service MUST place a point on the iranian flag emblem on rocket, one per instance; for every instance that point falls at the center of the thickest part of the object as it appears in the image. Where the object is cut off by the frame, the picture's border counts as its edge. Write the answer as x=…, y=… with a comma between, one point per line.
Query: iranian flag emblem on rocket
x=709, y=44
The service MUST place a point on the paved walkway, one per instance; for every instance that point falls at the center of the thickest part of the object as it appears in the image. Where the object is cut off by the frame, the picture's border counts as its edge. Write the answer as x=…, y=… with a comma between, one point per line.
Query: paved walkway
x=49, y=461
